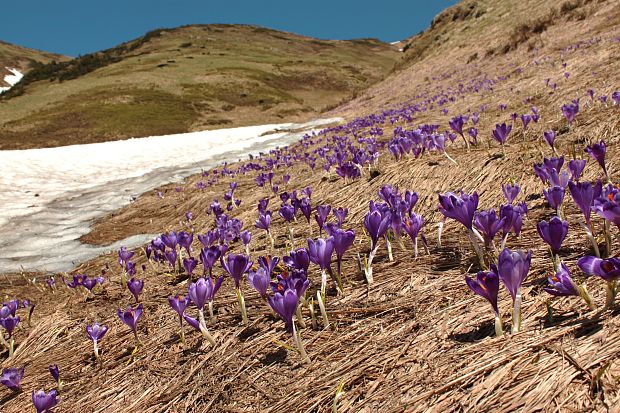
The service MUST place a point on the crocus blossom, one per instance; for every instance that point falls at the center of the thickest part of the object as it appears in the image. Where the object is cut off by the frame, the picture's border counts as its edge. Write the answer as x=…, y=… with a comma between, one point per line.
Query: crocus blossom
x=486, y=285
x=512, y=269
x=45, y=402
x=96, y=333
x=608, y=269
x=130, y=318
x=12, y=378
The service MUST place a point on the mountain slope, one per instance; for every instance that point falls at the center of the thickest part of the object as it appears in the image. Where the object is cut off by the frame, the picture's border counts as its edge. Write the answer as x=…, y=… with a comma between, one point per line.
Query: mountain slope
x=23, y=59
x=186, y=79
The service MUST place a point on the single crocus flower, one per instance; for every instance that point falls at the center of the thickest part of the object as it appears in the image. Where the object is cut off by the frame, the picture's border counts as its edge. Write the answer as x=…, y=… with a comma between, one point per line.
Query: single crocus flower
x=340, y=214
x=9, y=323
x=511, y=191
x=608, y=269
x=298, y=259
x=343, y=240
x=260, y=280
x=285, y=305
x=45, y=402
x=320, y=253
x=135, y=287
x=597, y=152
x=412, y=226
x=189, y=264
x=376, y=224
x=549, y=137
x=55, y=372
x=576, y=167
x=570, y=111
x=555, y=197
x=246, y=237
x=501, y=132
x=562, y=285
x=322, y=212
x=489, y=225
x=179, y=303
x=486, y=285
x=263, y=222
x=12, y=378
x=236, y=266
x=268, y=263
x=512, y=268
x=462, y=209
x=553, y=232
x=96, y=333
x=200, y=293
x=130, y=317
x=209, y=257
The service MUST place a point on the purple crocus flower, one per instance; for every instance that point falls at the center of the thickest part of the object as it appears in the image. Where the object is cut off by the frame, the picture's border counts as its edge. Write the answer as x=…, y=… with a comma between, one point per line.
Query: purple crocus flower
x=259, y=280
x=209, y=257
x=550, y=138
x=236, y=265
x=501, y=132
x=340, y=214
x=570, y=111
x=376, y=225
x=555, y=196
x=305, y=205
x=45, y=402
x=486, y=285
x=285, y=305
x=512, y=268
x=12, y=378
x=55, y=372
x=561, y=284
x=322, y=212
x=488, y=224
x=320, y=252
x=287, y=212
x=576, y=167
x=298, y=259
x=460, y=208
x=189, y=264
x=124, y=255
x=171, y=257
x=185, y=240
x=268, y=263
x=170, y=239
x=96, y=333
x=130, y=317
x=9, y=323
x=343, y=240
x=203, y=291
x=583, y=195
x=608, y=269
x=412, y=226
x=526, y=119
x=553, y=232
x=179, y=304
x=511, y=191
x=264, y=221
x=246, y=237
x=135, y=287
x=597, y=152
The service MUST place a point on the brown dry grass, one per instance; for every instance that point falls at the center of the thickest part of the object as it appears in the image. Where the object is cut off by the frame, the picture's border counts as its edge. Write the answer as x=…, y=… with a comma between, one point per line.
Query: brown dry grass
x=417, y=340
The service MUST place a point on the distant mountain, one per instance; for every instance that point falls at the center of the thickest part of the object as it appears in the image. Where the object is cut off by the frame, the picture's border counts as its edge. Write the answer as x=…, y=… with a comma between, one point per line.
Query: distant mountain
x=185, y=79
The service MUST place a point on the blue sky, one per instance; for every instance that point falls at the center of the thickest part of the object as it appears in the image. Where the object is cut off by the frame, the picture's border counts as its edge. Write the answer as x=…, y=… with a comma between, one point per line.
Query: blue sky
x=74, y=27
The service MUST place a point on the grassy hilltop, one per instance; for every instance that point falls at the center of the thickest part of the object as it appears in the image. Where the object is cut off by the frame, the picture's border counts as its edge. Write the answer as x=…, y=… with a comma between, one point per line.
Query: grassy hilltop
x=187, y=79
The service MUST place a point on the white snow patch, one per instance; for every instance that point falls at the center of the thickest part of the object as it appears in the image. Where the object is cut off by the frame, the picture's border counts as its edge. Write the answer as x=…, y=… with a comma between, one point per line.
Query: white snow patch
x=50, y=196
x=11, y=79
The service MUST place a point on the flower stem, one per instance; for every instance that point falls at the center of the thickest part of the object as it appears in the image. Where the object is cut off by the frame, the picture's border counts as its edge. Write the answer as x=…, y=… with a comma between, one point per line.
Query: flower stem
x=368, y=269
x=203, y=328
x=11, y=346
x=439, y=229
x=583, y=293
x=516, y=313
x=323, y=311
x=474, y=244
x=300, y=318
x=96, y=349
x=312, y=314
x=499, y=326
x=244, y=314
x=300, y=345
x=607, y=237
x=211, y=317
x=389, y=247
x=611, y=290
x=449, y=158
x=590, y=236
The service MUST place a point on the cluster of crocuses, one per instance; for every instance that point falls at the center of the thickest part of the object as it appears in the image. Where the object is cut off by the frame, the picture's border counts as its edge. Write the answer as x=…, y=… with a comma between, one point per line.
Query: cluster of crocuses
x=417, y=141
x=389, y=219
x=9, y=320
x=43, y=402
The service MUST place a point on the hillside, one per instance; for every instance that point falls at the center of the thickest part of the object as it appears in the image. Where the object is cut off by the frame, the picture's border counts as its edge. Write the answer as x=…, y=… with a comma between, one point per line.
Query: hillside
x=187, y=79
x=23, y=59
x=416, y=339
